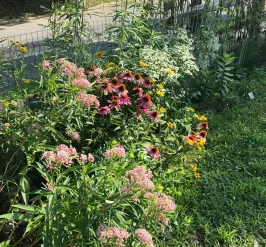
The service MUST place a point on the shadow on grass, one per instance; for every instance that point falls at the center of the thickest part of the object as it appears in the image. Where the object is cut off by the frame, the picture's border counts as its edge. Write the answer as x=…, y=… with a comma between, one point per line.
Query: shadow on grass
x=230, y=199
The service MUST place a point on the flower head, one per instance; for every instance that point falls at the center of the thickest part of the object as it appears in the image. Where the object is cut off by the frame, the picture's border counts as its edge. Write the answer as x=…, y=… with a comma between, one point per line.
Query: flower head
x=142, y=64
x=46, y=64
x=154, y=115
x=153, y=152
x=146, y=100
x=117, y=151
x=203, y=125
x=144, y=237
x=142, y=108
x=162, y=110
x=121, y=89
x=23, y=48
x=169, y=124
x=114, y=102
x=138, y=91
x=99, y=54
x=197, y=175
x=138, y=79
x=26, y=81
x=88, y=100
x=115, y=81
x=148, y=83
x=104, y=110
x=169, y=72
x=127, y=76
x=124, y=99
x=82, y=82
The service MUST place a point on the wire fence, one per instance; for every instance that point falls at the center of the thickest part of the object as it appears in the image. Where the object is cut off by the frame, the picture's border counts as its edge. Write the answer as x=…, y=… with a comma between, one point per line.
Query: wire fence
x=38, y=44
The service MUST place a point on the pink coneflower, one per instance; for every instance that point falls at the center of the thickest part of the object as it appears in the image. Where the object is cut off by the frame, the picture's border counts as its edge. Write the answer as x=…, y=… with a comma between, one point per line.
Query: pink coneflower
x=90, y=158
x=127, y=76
x=153, y=152
x=121, y=89
x=82, y=82
x=154, y=115
x=138, y=79
x=115, y=81
x=114, y=103
x=104, y=110
x=146, y=100
x=124, y=99
x=106, y=87
x=148, y=83
x=142, y=108
x=138, y=91
x=203, y=125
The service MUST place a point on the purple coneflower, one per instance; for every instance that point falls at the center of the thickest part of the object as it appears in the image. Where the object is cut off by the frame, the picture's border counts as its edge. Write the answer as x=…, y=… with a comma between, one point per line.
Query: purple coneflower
x=153, y=152
x=104, y=110
x=154, y=115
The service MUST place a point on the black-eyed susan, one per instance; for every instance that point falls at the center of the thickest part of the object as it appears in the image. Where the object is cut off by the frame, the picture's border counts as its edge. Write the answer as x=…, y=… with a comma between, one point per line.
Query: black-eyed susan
x=142, y=64
x=17, y=43
x=170, y=125
x=160, y=93
x=169, y=72
x=160, y=86
x=99, y=54
x=193, y=167
x=197, y=175
x=162, y=110
x=26, y=81
x=23, y=48
x=191, y=109
x=6, y=103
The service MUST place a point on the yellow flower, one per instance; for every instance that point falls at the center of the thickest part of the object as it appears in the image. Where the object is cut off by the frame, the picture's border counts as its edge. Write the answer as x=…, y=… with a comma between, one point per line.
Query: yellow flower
x=169, y=72
x=191, y=109
x=118, y=68
x=169, y=124
x=162, y=110
x=26, y=81
x=23, y=48
x=196, y=175
x=194, y=167
x=16, y=43
x=110, y=64
x=142, y=64
x=7, y=103
x=99, y=54
x=200, y=142
x=189, y=142
x=160, y=93
x=160, y=86
x=203, y=118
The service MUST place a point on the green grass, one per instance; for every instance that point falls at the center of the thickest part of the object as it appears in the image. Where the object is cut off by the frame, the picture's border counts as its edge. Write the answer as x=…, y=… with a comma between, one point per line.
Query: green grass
x=229, y=203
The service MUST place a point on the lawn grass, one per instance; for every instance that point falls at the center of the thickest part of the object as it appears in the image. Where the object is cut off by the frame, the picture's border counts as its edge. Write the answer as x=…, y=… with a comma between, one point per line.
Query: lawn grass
x=229, y=201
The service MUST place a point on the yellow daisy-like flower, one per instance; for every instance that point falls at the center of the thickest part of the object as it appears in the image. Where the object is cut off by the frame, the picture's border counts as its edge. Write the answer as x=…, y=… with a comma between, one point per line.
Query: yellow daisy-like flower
x=196, y=175
x=194, y=167
x=7, y=103
x=142, y=64
x=23, y=48
x=203, y=118
x=16, y=43
x=169, y=72
x=169, y=124
x=160, y=86
x=160, y=93
x=162, y=110
x=189, y=142
x=99, y=54
x=26, y=81
x=191, y=109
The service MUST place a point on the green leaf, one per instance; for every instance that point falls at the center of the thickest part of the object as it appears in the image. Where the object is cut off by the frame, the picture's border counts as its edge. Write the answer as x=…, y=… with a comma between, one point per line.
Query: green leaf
x=15, y=216
x=5, y=243
x=24, y=189
x=28, y=208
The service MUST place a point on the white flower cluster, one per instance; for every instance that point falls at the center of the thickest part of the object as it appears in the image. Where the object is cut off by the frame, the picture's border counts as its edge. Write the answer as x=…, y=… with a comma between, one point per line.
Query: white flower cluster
x=159, y=63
